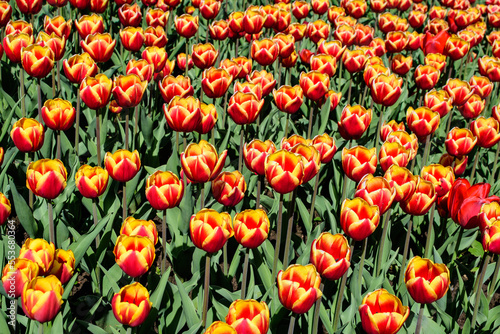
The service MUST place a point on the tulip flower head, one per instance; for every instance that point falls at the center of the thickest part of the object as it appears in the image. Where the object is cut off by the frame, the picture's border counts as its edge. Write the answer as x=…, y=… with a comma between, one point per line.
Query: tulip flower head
x=460, y=142
x=79, y=66
x=201, y=163
x=331, y=255
x=251, y=228
x=422, y=121
x=421, y=200
x=354, y=121
x=426, y=281
x=215, y=82
x=358, y=218
x=91, y=181
x=255, y=153
x=164, y=190
x=209, y=230
x=16, y=274
x=122, y=165
x=298, y=287
x=382, y=312
x=219, y=327
x=244, y=108
x=248, y=316
x=63, y=265
x=359, y=161
x=325, y=146
x=27, y=134
x=376, y=191
x=131, y=305
x=441, y=177
x=134, y=254
x=229, y=188
x=58, y=114
x=46, y=178
x=96, y=91
x=37, y=60
x=41, y=299
x=40, y=252
x=284, y=170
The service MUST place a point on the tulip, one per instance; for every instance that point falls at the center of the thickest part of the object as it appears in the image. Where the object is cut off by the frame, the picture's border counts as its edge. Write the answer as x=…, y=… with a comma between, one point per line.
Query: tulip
x=265, y=51
x=426, y=281
x=288, y=99
x=5, y=209
x=58, y=25
x=422, y=121
x=186, y=25
x=324, y=63
x=204, y=55
x=78, y=67
x=387, y=22
x=325, y=146
x=80, y=4
x=215, y=82
x=122, y=165
x=155, y=17
x=16, y=274
x=297, y=30
x=354, y=121
x=490, y=236
x=40, y=252
x=19, y=26
x=179, y=86
x=208, y=120
x=46, y=178
x=358, y=218
x=244, y=107
x=235, y=21
x=219, y=30
x=201, y=163
x=371, y=71
x=155, y=36
x=486, y=130
x=402, y=181
x=426, y=76
x=282, y=18
x=421, y=200
x=376, y=191
x=63, y=265
x=395, y=42
x=312, y=162
x=300, y=9
x=364, y=35
x=358, y=161
x=284, y=171
x=248, y=316
x=164, y=190
x=55, y=43
x=209, y=230
x=99, y=46
x=183, y=114
x=333, y=48
x=14, y=43
x=89, y=24
x=382, y=312
x=459, y=164
x=441, y=177
x=265, y=79
x=138, y=227
x=219, y=327
x=414, y=41
x=354, y=61
x=255, y=153
x=473, y=107
x=91, y=181
x=41, y=299
x=128, y=90
x=378, y=47
x=251, y=228
x=439, y=101
x=29, y=6
x=331, y=255
x=292, y=141
x=131, y=305
x=5, y=13
x=386, y=90
x=134, y=254
x=387, y=128
x=409, y=142
x=298, y=287
x=58, y=114
x=393, y=153
x=95, y=91
x=229, y=188
x=345, y=34
x=460, y=142
x=482, y=86
x=27, y=134
x=98, y=6
x=141, y=68
x=318, y=30
x=37, y=60
x=248, y=87
x=437, y=60
x=459, y=90
x=132, y=38
x=157, y=57
x=401, y=65
x=314, y=84
x=253, y=21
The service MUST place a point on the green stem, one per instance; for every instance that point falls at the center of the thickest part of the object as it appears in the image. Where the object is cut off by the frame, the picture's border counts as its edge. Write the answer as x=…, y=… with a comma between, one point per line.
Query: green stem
x=98, y=136
x=286, y=125
x=340, y=297
x=53, y=83
x=245, y=274
x=492, y=175
x=428, y=247
x=206, y=290
x=316, y=311
x=77, y=121
x=426, y=150
x=340, y=77
x=21, y=79
x=313, y=201
x=52, y=233
x=124, y=203
x=58, y=145
x=187, y=58
x=278, y=238
x=457, y=245
x=291, y=327
x=491, y=288
x=224, y=259
x=311, y=114
x=288, y=240
x=39, y=97
x=419, y=321
x=349, y=92
x=479, y=290
x=362, y=264
x=202, y=196
x=382, y=242
x=97, y=241
x=127, y=119
x=405, y=251
x=259, y=186
x=240, y=158
x=164, y=241
x=474, y=166
x=448, y=125
x=377, y=134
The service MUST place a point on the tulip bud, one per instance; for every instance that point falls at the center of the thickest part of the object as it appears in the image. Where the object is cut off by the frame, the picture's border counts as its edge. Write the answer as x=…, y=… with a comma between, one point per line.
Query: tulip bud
x=186, y=25
x=436, y=60
x=426, y=281
x=46, y=178
x=482, y=86
x=473, y=107
x=58, y=114
x=386, y=90
x=164, y=190
x=376, y=191
x=91, y=181
x=460, y=142
x=421, y=200
x=96, y=91
x=40, y=252
x=401, y=65
x=138, y=227
x=387, y=128
x=18, y=26
x=157, y=57
x=131, y=306
x=354, y=121
x=263, y=78
x=284, y=171
x=331, y=255
x=459, y=164
x=459, y=90
x=314, y=84
x=89, y=24
x=16, y=274
x=325, y=146
x=441, y=177
x=99, y=46
x=312, y=162
x=215, y=82
x=122, y=165
x=244, y=108
x=359, y=161
x=134, y=254
x=265, y=51
x=298, y=287
x=426, y=76
x=183, y=114
x=456, y=48
x=251, y=228
x=354, y=61
x=219, y=30
x=486, y=131
x=393, y=153
x=229, y=188
x=41, y=299
x=27, y=134
x=382, y=312
x=201, y=163
x=248, y=316
x=14, y=43
x=37, y=60
x=209, y=230
x=439, y=101
x=358, y=218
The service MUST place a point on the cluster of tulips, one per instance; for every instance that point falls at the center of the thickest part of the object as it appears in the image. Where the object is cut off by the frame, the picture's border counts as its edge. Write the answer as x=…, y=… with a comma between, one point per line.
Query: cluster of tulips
x=378, y=58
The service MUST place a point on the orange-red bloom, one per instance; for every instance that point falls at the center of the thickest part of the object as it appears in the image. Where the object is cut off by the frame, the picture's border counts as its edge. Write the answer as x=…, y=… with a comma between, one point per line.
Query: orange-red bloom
x=91, y=181
x=37, y=60
x=426, y=281
x=386, y=90
x=438, y=101
x=201, y=163
x=402, y=181
x=89, y=24
x=426, y=76
x=96, y=91
x=244, y=107
x=284, y=170
x=186, y=25
x=215, y=82
x=16, y=274
x=40, y=252
x=132, y=38
x=14, y=43
x=382, y=312
x=358, y=218
x=58, y=114
x=331, y=255
x=131, y=305
x=251, y=228
x=486, y=131
x=473, y=107
x=421, y=200
x=164, y=190
x=298, y=287
x=27, y=134
x=209, y=230
x=325, y=146
x=265, y=79
x=130, y=15
x=99, y=46
x=255, y=153
x=229, y=188
x=183, y=114
x=63, y=265
x=393, y=153
x=265, y=51
x=422, y=121
x=46, y=178
x=460, y=142
x=359, y=161
x=288, y=99
x=314, y=84
x=134, y=254
x=440, y=176
x=122, y=165
x=354, y=121
x=128, y=90
x=42, y=298
x=79, y=66
x=459, y=90
x=248, y=316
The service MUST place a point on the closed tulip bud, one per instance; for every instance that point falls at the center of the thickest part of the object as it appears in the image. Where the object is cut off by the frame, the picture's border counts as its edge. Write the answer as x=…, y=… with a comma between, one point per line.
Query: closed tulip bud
x=297, y=30
x=209, y=9
x=298, y=287
x=99, y=46
x=320, y=7
x=58, y=26
x=46, y=178
x=183, y=114
x=248, y=316
x=201, y=163
x=265, y=51
x=312, y=162
x=393, y=153
x=251, y=228
x=387, y=22
x=89, y=25
x=416, y=19
x=356, y=8
x=209, y=230
x=155, y=36
x=245, y=67
x=186, y=25
x=244, y=107
x=37, y=60
x=401, y=64
x=441, y=177
x=219, y=327
x=335, y=12
x=134, y=254
x=382, y=312
x=288, y=99
x=98, y=6
x=91, y=181
x=426, y=76
x=290, y=142
x=96, y=91
x=284, y=170
x=63, y=265
x=378, y=46
x=422, y=121
x=232, y=68
x=438, y=61
x=439, y=101
x=263, y=78
x=208, y=119
x=460, y=142
x=378, y=6
x=215, y=82
x=421, y=200
x=331, y=255
x=402, y=181
x=358, y=218
x=345, y=34
x=164, y=190
x=41, y=299
x=354, y=61
x=334, y=98
x=437, y=12
x=371, y=71
x=131, y=305
x=389, y=127
x=482, y=86
x=132, y=38
x=305, y=56
x=16, y=274
x=5, y=13
x=486, y=131
x=79, y=66
x=40, y=252
x=141, y=68
x=456, y=48
x=325, y=146
x=493, y=71
x=27, y=134
x=14, y=43
x=364, y=35
x=314, y=84
x=333, y=48
x=473, y=107
x=122, y=165
x=58, y=114
x=354, y=121
x=414, y=41
x=255, y=153
x=204, y=55
x=300, y=9
x=128, y=90
x=436, y=26
x=283, y=17
x=138, y=227
x=459, y=90
x=386, y=90
x=229, y=188
x=17, y=27
x=359, y=161
x=459, y=164
x=426, y=281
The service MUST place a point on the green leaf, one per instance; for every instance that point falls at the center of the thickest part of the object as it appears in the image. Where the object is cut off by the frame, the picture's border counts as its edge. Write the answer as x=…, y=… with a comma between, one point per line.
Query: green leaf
x=80, y=247
x=23, y=212
x=476, y=249
x=187, y=305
